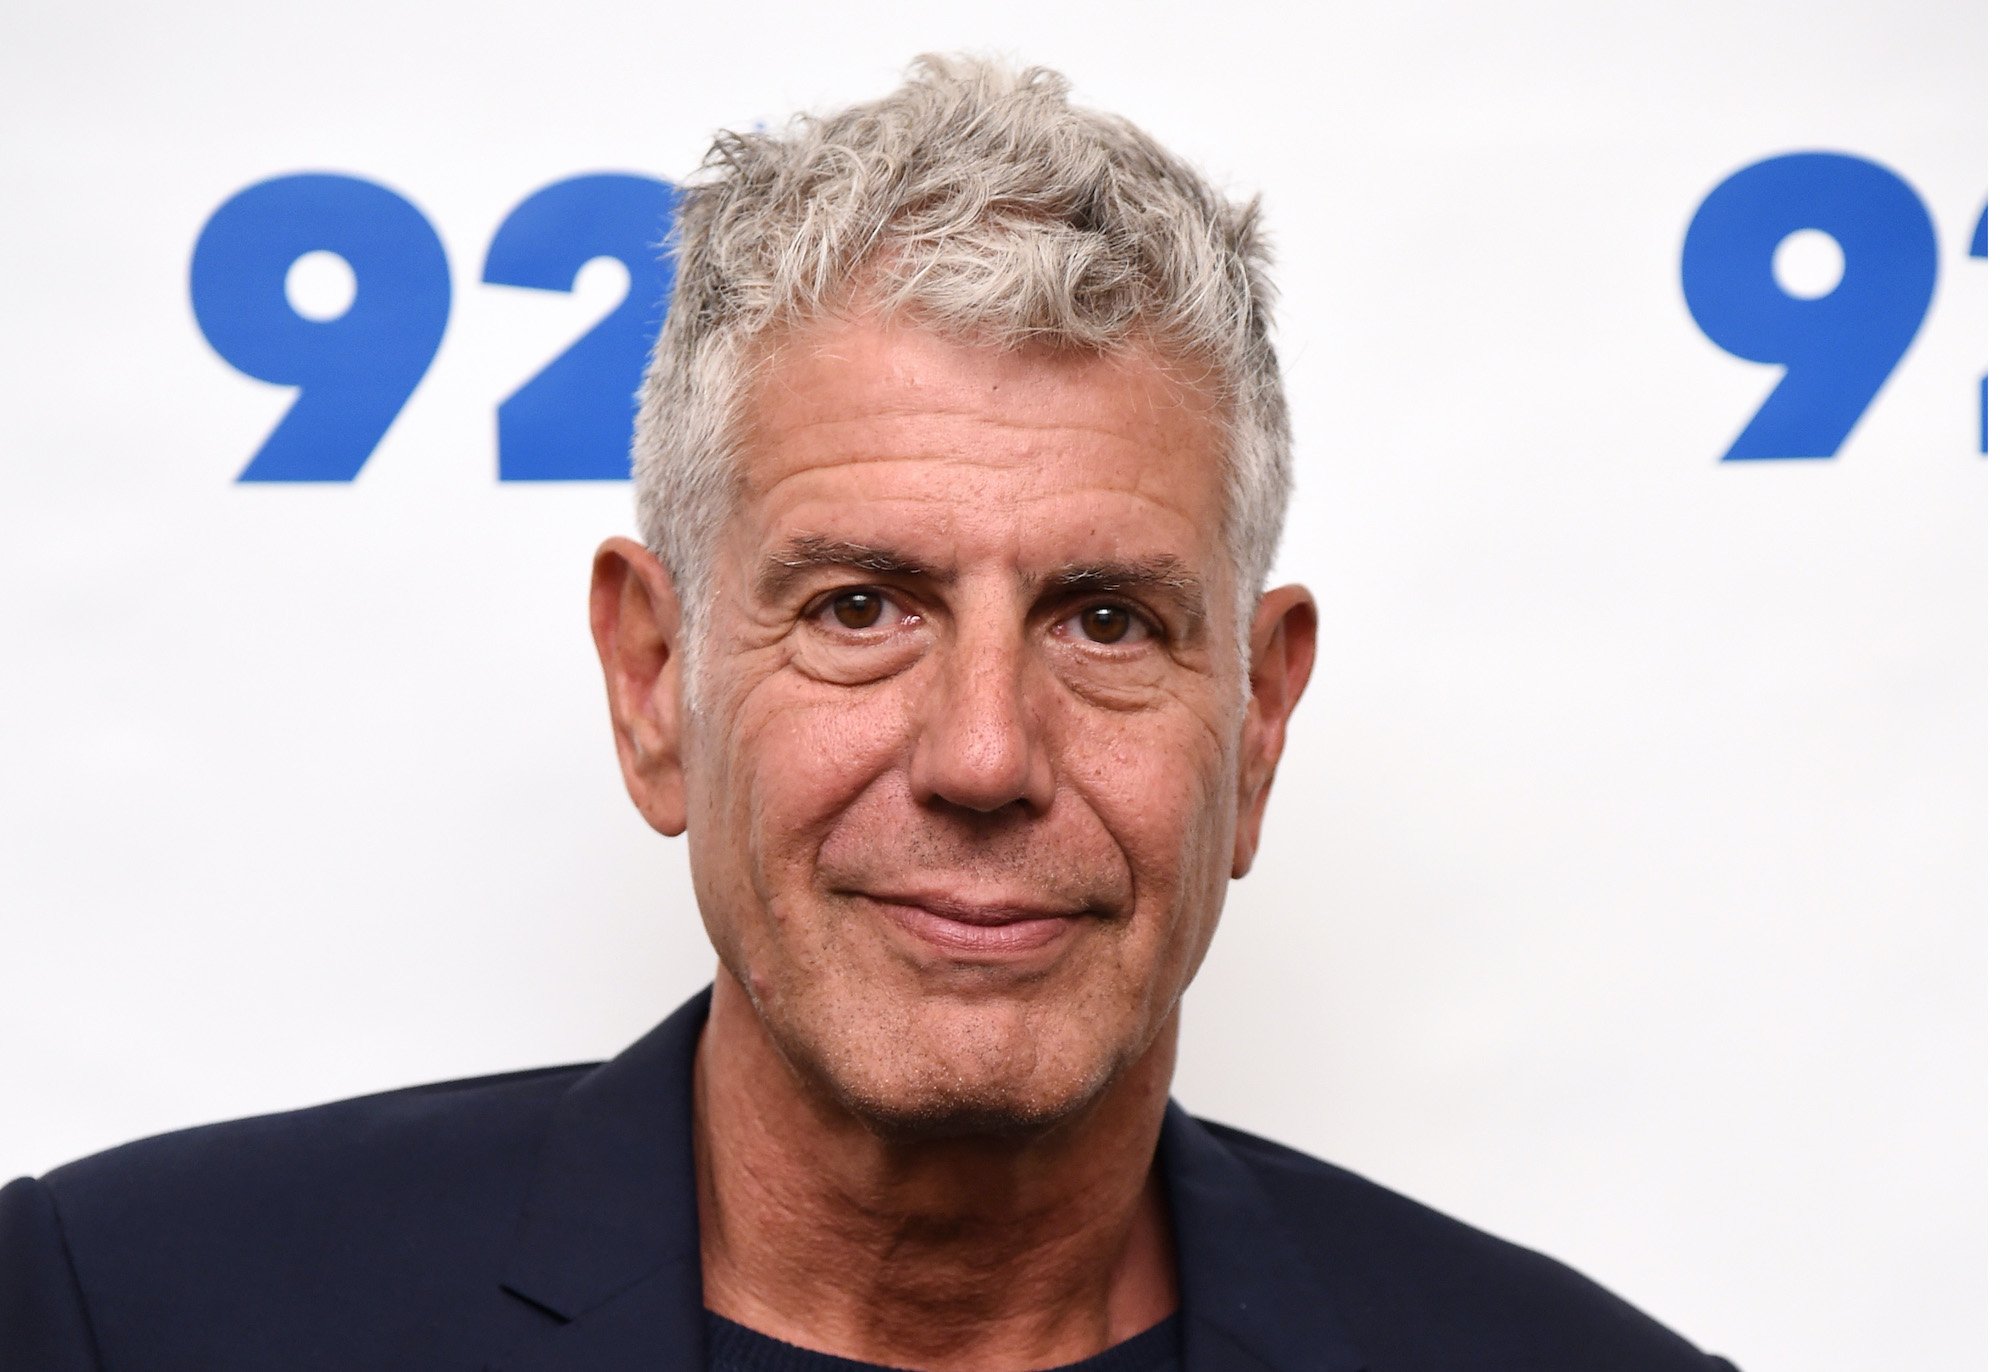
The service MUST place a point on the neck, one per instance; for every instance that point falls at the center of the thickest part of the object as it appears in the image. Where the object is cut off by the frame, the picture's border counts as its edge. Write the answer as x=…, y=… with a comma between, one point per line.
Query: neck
x=981, y=1254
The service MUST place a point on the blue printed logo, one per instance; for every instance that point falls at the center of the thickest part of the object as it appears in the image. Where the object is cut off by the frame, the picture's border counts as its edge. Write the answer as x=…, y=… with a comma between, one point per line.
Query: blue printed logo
x=573, y=420
x=570, y=422
x=1838, y=348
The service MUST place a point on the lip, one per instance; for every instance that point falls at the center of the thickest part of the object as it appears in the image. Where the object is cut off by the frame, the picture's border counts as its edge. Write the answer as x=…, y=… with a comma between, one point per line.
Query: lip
x=982, y=928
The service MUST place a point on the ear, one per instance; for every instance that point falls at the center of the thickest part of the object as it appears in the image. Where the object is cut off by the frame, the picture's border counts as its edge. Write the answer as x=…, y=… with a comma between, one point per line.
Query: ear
x=635, y=616
x=1284, y=634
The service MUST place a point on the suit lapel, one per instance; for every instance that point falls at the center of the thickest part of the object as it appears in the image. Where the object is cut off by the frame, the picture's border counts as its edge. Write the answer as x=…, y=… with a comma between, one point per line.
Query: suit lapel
x=650, y=1324
x=1250, y=1302
x=608, y=1241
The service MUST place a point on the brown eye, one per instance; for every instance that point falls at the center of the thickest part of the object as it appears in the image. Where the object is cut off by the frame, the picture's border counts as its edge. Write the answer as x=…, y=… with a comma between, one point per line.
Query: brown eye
x=857, y=609
x=1105, y=623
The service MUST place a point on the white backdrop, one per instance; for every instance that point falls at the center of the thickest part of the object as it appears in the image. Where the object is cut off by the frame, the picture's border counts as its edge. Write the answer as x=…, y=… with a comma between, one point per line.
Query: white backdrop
x=1624, y=885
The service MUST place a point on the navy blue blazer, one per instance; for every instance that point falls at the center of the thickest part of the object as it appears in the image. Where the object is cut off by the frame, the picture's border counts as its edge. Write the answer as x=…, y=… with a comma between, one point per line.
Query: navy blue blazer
x=545, y=1222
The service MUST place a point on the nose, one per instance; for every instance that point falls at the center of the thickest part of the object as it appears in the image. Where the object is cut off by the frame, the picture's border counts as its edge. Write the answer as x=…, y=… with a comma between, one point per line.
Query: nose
x=980, y=744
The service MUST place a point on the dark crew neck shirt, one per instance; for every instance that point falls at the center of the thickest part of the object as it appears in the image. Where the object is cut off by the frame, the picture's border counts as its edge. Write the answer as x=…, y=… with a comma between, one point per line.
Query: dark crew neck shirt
x=735, y=1348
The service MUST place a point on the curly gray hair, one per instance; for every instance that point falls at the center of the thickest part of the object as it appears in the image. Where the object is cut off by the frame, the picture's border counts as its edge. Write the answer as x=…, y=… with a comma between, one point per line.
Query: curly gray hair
x=979, y=202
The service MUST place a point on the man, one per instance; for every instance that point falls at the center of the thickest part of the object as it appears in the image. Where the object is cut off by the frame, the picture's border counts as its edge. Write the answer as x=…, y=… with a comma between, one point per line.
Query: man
x=961, y=464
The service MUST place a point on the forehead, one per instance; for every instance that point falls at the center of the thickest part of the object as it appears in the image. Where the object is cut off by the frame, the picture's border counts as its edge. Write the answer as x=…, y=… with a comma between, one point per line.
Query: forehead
x=878, y=427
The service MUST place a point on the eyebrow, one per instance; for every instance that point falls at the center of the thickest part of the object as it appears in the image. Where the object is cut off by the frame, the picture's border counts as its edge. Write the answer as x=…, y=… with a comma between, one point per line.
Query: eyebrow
x=786, y=566
x=1163, y=575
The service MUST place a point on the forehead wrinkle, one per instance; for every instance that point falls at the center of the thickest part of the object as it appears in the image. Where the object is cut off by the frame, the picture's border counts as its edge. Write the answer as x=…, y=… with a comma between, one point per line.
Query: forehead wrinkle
x=1017, y=405
x=765, y=486
x=1049, y=465
x=929, y=416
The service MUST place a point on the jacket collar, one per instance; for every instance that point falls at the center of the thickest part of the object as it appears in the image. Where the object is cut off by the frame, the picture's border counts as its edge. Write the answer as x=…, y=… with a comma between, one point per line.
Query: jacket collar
x=608, y=1240
x=1249, y=1298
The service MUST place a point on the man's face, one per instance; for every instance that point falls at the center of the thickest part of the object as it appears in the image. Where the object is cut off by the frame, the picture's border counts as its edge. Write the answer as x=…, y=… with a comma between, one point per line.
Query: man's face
x=962, y=770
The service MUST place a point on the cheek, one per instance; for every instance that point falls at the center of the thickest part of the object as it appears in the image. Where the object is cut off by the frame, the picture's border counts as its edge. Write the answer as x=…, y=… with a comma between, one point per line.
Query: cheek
x=1163, y=792
x=791, y=758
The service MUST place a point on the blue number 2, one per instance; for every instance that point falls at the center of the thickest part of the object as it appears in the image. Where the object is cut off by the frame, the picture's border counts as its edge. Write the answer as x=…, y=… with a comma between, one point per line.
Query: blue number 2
x=573, y=420
x=1838, y=349
x=354, y=371
x=1978, y=250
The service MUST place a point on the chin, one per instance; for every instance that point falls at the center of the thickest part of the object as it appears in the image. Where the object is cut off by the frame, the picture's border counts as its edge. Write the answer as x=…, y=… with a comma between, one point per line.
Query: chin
x=928, y=1117
x=952, y=1070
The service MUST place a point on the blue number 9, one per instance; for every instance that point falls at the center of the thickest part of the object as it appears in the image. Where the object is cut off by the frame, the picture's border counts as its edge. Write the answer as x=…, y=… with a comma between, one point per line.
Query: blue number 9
x=572, y=421
x=353, y=371
x=1838, y=349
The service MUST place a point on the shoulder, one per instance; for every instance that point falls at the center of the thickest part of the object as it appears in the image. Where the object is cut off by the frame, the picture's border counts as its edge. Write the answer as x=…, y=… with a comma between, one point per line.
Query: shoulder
x=339, y=1215
x=1420, y=1289
x=419, y=1136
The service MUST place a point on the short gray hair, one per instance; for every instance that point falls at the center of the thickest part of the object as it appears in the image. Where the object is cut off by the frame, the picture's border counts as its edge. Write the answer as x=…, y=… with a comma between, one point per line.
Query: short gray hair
x=978, y=202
